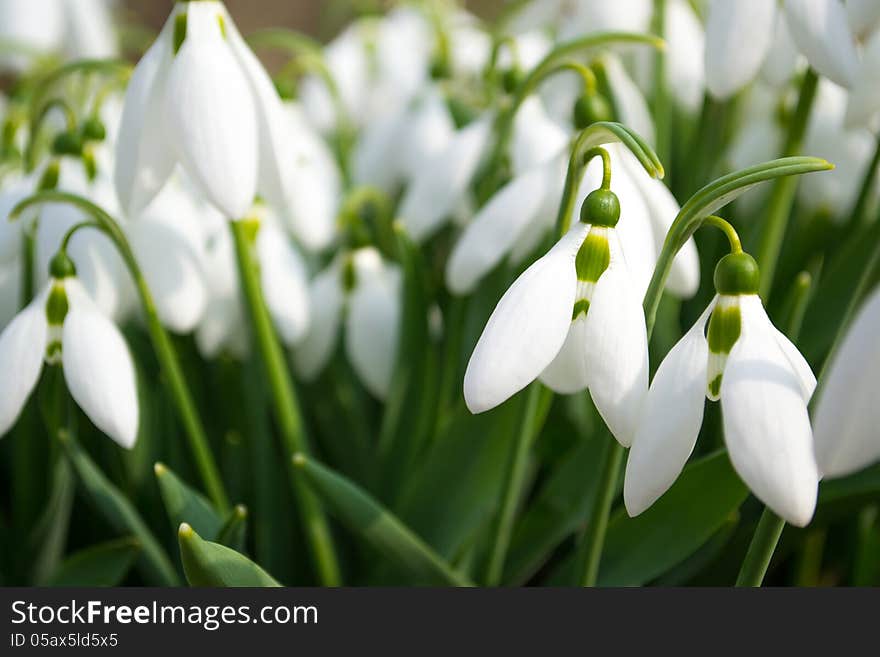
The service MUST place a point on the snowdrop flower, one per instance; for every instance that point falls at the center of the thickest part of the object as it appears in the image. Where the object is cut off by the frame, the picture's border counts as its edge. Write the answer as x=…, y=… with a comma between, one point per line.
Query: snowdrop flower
x=62, y=325
x=573, y=319
x=847, y=415
x=81, y=29
x=283, y=279
x=199, y=97
x=864, y=100
x=739, y=36
x=863, y=15
x=362, y=292
x=764, y=385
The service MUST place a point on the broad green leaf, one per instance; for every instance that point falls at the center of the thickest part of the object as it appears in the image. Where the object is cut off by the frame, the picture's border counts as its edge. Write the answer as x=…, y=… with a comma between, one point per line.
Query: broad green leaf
x=120, y=514
x=234, y=529
x=368, y=519
x=105, y=564
x=184, y=504
x=211, y=564
x=845, y=496
x=692, y=510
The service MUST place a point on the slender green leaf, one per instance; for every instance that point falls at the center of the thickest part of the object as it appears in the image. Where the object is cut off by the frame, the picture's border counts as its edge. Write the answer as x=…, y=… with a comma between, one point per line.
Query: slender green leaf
x=120, y=514
x=184, y=504
x=234, y=529
x=211, y=564
x=105, y=564
x=367, y=518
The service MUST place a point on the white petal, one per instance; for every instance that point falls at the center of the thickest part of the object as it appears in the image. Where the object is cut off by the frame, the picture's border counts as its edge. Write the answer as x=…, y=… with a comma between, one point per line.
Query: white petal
x=440, y=184
x=325, y=305
x=276, y=138
x=864, y=100
x=863, y=16
x=372, y=326
x=783, y=58
x=628, y=100
x=144, y=158
x=428, y=128
x=536, y=137
x=173, y=271
x=738, y=36
x=527, y=328
x=22, y=347
x=497, y=226
x=671, y=420
x=567, y=373
x=821, y=32
x=847, y=414
x=90, y=30
x=686, y=45
x=616, y=347
x=10, y=291
x=210, y=114
x=766, y=426
x=284, y=282
x=377, y=151
x=98, y=368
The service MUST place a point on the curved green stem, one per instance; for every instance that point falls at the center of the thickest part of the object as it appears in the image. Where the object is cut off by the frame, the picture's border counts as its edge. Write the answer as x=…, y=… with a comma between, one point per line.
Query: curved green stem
x=728, y=230
x=602, y=132
x=549, y=66
x=186, y=407
x=285, y=403
x=761, y=549
x=30, y=153
x=782, y=196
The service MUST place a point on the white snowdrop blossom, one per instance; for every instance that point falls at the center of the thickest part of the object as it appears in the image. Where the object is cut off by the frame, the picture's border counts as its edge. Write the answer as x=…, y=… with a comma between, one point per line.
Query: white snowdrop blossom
x=200, y=98
x=847, y=415
x=63, y=325
x=573, y=319
x=362, y=293
x=764, y=385
x=741, y=35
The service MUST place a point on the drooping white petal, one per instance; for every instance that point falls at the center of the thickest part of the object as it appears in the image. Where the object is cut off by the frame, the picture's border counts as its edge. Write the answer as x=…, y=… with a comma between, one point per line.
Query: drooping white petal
x=864, y=99
x=442, y=181
x=671, y=421
x=498, y=225
x=284, y=282
x=847, y=415
x=821, y=32
x=210, y=114
x=374, y=158
x=22, y=348
x=684, y=277
x=536, y=137
x=686, y=45
x=10, y=291
x=34, y=24
x=325, y=304
x=588, y=16
x=14, y=190
x=527, y=327
x=783, y=58
x=90, y=31
x=863, y=16
x=628, y=100
x=766, y=426
x=144, y=156
x=616, y=347
x=276, y=139
x=223, y=324
x=738, y=36
x=427, y=130
x=567, y=373
x=98, y=368
x=372, y=326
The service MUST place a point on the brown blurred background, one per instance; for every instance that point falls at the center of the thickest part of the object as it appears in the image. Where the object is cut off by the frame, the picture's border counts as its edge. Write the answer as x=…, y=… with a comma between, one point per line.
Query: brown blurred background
x=321, y=18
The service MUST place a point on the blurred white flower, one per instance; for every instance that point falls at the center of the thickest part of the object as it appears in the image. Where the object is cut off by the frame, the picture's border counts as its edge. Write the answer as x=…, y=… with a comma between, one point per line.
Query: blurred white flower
x=62, y=325
x=764, y=385
x=864, y=100
x=847, y=415
x=739, y=36
x=79, y=29
x=573, y=319
x=362, y=292
x=201, y=98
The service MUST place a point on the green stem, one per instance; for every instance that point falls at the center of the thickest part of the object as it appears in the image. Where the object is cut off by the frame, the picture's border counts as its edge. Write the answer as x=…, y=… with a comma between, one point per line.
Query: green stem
x=513, y=485
x=728, y=230
x=590, y=550
x=782, y=196
x=761, y=549
x=285, y=402
x=858, y=216
x=186, y=407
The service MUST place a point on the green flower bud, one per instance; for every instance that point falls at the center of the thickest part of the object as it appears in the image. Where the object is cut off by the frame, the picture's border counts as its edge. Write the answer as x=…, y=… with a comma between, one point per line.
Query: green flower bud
x=511, y=79
x=286, y=88
x=601, y=208
x=461, y=112
x=93, y=129
x=589, y=109
x=737, y=273
x=67, y=143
